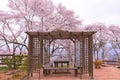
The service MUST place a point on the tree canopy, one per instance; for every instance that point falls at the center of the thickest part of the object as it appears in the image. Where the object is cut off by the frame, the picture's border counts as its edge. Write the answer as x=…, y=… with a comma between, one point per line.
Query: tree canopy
x=43, y=15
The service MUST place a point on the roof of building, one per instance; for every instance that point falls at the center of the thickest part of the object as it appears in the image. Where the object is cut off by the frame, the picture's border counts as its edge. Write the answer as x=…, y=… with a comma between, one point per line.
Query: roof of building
x=61, y=34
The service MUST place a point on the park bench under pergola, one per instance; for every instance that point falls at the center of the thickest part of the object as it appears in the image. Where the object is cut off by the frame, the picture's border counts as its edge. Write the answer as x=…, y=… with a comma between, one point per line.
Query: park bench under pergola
x=36, y=51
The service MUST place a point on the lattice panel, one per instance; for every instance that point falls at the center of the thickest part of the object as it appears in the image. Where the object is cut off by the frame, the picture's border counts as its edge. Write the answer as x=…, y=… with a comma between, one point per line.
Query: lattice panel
x=35, y=63
x=86, y=55
x=46, y=51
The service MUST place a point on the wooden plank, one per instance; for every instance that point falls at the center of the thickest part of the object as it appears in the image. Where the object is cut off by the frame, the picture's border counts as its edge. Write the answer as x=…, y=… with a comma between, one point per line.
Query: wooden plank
x=6, y=54
x=61, y=35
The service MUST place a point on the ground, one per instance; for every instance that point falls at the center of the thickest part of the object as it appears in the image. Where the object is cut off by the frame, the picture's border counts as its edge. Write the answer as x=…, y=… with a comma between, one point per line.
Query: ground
x=105, y=73
x=12, y=74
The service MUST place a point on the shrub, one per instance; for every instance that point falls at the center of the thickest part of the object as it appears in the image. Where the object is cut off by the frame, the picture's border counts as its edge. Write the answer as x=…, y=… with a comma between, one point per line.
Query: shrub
x=98, y=63
x=10, y=61
x=18, y=60
x=24, y=65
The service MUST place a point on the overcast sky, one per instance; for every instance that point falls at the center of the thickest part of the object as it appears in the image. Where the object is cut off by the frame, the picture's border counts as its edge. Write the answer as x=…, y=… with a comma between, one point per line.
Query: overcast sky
x=90, y=11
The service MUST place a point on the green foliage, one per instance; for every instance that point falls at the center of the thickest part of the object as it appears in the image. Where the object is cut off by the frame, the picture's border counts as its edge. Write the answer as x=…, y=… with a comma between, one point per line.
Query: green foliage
x=10, y=61
x=3, y=68
x=18, y=60
x=24, y=65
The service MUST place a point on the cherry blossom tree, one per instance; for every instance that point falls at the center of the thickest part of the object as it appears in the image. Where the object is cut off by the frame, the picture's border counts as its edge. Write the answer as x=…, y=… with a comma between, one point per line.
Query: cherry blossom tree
x=9, y=34
x=42, y=15
x=10, y=31
x=34, y=15
x=114, y=34
x=100, y=40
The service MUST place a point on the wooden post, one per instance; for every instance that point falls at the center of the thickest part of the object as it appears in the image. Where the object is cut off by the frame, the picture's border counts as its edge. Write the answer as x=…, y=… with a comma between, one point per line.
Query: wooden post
x=14, y=62
x=90, y=41
x=75, y=50
x=30, y=49
x=49, y=49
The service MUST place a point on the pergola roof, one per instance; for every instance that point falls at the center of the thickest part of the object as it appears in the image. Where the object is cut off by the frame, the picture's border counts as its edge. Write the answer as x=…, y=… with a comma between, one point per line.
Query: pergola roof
x=60, y=34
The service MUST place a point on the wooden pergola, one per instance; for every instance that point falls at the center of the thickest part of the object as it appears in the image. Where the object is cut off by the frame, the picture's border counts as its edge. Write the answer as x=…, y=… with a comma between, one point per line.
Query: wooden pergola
x=82, y=41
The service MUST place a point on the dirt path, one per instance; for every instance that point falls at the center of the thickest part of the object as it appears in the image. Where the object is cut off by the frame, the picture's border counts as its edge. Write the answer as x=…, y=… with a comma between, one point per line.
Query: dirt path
x=4, y=76
x=105, y=73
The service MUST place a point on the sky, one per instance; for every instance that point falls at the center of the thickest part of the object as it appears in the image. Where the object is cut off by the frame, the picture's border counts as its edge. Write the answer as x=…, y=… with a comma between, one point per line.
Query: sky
x=3, y=5
x=90, y=11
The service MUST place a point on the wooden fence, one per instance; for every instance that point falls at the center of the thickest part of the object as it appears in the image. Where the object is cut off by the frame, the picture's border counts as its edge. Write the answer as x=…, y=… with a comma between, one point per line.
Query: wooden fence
x=5, y=56
x=8, y=56
x=111, y=62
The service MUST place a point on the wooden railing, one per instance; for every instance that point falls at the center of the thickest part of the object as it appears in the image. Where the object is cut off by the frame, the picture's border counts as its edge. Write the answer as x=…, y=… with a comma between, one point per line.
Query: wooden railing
x=111, y=62
x=5, y=56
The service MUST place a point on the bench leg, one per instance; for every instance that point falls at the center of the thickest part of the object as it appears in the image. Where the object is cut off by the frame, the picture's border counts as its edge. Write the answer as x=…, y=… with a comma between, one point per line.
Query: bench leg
x=75, y=72
x=31, y=74
x=49, y=71
x=45, y=72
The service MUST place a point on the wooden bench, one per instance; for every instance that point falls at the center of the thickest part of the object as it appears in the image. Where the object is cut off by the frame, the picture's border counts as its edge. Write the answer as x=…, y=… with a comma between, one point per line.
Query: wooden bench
x=47, y=69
